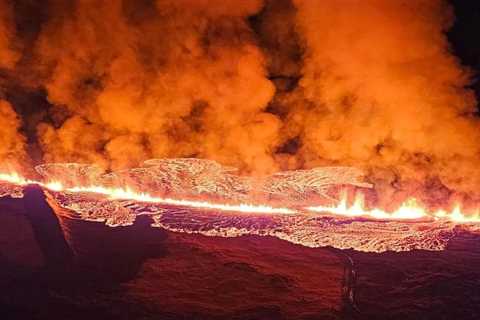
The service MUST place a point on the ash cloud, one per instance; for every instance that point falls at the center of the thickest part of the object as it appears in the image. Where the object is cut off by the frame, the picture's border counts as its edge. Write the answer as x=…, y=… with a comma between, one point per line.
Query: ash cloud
x=260, y=85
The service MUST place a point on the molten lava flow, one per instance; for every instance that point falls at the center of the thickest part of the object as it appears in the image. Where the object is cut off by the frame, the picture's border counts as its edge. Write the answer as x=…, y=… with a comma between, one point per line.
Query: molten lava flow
x=408, y=210
x=16, y=179
x=457, y=215
x=127, y=194
x=290, y=183
x=201, y=183
x=182, y=195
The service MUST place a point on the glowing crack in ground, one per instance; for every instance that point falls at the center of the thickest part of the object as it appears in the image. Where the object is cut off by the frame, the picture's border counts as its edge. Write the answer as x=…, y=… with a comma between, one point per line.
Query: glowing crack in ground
x=202, y=196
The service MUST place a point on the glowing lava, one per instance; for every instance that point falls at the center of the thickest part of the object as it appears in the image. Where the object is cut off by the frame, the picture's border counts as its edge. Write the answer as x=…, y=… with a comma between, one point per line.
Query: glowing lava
x=16, y=179
x=119, y=193
x=127, y=194
x=409, y=210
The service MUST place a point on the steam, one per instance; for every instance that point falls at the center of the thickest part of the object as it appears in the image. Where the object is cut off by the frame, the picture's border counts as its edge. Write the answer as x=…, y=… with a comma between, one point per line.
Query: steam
x=380, y=88
x=369, y=83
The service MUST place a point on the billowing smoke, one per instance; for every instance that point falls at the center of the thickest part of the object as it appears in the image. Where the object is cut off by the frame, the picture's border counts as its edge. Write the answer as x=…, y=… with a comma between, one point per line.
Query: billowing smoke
x=166, y=79
x=381, y=89
x=8, y=55
x=260, y=85
x=12, y=152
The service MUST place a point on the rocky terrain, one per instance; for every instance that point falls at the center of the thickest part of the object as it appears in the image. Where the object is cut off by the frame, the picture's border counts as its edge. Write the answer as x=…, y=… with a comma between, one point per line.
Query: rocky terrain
x=56, y=267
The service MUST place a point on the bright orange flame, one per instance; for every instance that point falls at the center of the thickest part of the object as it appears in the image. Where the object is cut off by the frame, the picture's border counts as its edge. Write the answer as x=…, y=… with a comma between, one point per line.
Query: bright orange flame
x=409, y=210
x=127, y=194
x=120, y=193
x=15, y=178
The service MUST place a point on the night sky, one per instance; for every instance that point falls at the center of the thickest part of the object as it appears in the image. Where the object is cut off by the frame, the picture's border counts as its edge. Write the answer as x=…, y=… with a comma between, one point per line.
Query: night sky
x=464, y=36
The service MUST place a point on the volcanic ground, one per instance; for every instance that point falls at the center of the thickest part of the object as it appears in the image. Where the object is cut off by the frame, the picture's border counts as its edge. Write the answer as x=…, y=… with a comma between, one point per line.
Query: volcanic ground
x=53, y=266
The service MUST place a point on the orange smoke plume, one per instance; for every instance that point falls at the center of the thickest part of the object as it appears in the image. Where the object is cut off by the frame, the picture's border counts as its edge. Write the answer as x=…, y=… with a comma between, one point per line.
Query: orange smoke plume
x=380, y=88
x=12, y=143
x=260, y=85
x=174, y=78
x=8, y=54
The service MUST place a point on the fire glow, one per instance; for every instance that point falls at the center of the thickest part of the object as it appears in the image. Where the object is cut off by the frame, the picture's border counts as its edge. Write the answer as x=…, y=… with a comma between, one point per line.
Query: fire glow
x=127, y=194
x=408, y=210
